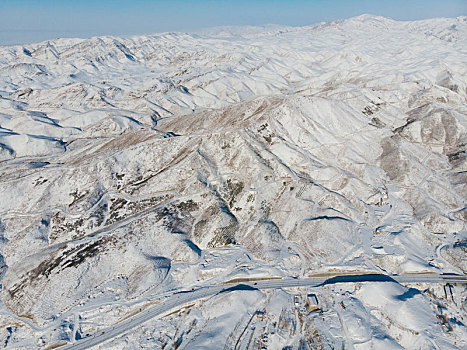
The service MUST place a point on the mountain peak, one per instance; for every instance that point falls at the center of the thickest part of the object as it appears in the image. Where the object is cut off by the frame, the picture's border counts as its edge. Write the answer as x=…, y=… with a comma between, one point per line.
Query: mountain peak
x=197, y=180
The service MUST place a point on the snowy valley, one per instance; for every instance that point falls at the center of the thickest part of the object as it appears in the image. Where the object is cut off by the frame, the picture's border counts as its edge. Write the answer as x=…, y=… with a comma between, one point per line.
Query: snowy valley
x=136, y=168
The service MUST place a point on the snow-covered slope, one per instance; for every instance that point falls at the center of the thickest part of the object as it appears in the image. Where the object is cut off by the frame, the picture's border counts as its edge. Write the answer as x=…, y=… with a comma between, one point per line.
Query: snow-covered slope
x=130, y=167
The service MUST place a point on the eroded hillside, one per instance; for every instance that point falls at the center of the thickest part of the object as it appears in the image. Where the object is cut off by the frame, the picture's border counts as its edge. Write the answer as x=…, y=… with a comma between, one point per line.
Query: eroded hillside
x=132, y=167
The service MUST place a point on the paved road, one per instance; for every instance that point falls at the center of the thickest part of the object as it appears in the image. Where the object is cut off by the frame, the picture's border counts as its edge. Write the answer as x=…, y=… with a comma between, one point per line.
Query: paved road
x=184, y=297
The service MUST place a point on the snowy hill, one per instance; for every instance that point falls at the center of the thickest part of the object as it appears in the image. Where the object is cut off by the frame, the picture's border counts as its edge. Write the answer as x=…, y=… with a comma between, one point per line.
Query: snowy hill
x=134, y=167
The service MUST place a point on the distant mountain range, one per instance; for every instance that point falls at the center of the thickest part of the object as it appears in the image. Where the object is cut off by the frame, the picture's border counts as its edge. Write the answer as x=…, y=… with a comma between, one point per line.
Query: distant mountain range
x=131, y=168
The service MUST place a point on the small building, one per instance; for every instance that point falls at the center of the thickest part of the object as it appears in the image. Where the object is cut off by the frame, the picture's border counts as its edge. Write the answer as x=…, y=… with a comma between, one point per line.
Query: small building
x=312, y=302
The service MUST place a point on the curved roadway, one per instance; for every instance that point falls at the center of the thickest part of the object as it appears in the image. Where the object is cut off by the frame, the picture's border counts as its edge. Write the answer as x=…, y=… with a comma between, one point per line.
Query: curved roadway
x=183, y=297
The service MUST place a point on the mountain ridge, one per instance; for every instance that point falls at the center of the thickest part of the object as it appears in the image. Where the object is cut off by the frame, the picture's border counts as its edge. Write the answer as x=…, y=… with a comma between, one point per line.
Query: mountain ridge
x=133, y=167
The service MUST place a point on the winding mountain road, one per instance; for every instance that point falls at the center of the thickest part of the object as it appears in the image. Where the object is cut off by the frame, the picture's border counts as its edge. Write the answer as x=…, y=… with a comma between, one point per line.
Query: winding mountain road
x=183, y=297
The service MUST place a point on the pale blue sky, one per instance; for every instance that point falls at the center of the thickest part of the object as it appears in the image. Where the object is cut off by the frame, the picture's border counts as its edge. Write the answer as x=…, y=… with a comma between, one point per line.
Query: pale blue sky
x=23, y=21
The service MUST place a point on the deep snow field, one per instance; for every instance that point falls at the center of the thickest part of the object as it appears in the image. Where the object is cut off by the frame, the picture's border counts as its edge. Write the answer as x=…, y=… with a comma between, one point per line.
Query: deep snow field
x=132, y=168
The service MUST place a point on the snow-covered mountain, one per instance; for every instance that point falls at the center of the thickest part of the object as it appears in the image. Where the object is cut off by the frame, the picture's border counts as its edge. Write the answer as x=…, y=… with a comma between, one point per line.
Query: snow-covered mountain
x=131, y=168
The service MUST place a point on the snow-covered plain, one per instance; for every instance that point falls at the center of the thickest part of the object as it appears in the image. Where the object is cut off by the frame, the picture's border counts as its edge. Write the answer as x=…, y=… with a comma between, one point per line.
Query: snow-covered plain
x=133, y=167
